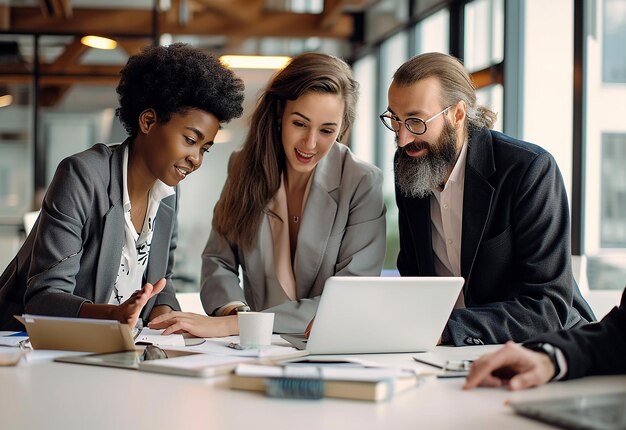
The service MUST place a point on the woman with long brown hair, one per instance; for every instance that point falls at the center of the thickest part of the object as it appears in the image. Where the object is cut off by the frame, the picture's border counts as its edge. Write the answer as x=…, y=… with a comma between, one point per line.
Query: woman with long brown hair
x=297, y=206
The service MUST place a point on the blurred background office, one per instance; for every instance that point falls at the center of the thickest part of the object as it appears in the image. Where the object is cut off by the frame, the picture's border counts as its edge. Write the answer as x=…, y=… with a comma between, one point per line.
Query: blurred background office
x=555, y=71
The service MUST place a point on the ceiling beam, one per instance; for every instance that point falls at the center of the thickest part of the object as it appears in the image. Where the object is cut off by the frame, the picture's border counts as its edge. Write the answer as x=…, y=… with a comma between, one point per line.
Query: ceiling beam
x=244, y=11
x=133, y=46
x=51, y=95
x=72, y=53
x=5, y=17
x=61, y=80
x=332, y=11
x=114, y=22
x=269, y=24
x=56, y=8
x=83, y=69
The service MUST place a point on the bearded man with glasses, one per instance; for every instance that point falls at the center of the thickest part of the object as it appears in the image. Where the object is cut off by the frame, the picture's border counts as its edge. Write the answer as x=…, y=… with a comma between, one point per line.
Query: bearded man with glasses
x=479, y=204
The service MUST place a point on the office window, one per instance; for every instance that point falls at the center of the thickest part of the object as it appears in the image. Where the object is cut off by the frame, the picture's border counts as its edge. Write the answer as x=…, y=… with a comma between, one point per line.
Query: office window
x=16, y=141
x=424, y=6
x=484, y=34
x=492, y=97
x=306, y=6
x=605, y=145
x=16, y=124
x=363, y=135
x=393, y=52
x=613, y=196
x=385, y=16
x=614, y=35
x=432, y=33
x=16, y=151
x=546, y=80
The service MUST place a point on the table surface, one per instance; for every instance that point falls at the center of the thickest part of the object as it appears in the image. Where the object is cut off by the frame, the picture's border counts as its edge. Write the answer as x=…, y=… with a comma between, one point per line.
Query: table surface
x=39, y=393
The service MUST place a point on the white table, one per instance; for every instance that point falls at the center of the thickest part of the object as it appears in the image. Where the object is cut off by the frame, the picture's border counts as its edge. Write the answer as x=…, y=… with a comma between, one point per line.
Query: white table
x=49, y=395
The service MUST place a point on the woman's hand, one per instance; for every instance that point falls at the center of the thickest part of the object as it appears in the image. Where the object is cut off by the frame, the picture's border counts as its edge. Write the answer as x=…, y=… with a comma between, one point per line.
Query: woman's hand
x=128, y=312
x=512, y=365
x=196, y=324
x=309, y=327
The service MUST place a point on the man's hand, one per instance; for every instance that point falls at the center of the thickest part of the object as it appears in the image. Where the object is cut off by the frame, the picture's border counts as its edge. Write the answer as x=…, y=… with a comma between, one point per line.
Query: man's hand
x=512, y=365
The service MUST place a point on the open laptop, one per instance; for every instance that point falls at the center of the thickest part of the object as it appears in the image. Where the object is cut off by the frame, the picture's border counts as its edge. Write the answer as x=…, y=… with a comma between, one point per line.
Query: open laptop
x=380, y=314
x=592, y=411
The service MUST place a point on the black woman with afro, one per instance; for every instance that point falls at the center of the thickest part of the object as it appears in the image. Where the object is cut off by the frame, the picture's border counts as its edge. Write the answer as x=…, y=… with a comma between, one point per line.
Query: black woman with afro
x=103, y=245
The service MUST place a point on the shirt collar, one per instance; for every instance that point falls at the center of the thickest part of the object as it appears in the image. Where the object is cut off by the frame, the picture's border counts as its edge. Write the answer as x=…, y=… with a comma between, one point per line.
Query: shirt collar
x=158, y=192
x=458, y=173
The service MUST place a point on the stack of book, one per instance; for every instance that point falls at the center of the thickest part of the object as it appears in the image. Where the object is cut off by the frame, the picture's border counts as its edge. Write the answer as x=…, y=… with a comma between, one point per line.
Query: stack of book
x=311, y=382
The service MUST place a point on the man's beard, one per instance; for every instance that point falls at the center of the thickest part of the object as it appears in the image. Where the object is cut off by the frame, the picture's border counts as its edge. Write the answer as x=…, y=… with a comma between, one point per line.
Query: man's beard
x=418, y=176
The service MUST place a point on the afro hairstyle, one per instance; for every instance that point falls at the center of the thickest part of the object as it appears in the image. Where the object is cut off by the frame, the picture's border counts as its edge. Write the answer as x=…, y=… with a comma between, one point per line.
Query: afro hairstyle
x=173, y=79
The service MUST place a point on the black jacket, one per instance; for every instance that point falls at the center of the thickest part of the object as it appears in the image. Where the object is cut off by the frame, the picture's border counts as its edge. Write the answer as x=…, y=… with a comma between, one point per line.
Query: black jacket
x=515, y=250
x=594, y=349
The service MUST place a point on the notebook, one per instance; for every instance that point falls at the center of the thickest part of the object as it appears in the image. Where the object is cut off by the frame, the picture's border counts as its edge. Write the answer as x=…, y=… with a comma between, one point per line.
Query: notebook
x=593, y=411
x=380, y=314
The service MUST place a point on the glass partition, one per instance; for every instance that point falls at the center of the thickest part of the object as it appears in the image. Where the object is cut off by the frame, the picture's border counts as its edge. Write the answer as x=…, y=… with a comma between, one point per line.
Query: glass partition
x=484, y=34
x=605, y=145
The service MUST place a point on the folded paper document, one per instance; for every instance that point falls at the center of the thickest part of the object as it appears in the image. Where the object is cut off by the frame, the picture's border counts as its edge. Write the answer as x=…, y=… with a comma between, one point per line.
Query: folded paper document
x=154, y=337
x=313, y=382
x=199, y=365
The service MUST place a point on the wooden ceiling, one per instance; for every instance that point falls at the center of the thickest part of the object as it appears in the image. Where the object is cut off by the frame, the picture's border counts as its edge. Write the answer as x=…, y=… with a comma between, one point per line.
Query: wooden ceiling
x=234, y=20
x=237, y=18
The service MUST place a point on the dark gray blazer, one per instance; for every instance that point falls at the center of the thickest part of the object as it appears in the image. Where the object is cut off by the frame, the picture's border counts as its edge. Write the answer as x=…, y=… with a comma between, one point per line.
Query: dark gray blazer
x=73, y=252
x=594, y=349
x=515, y=250
x=342, y=233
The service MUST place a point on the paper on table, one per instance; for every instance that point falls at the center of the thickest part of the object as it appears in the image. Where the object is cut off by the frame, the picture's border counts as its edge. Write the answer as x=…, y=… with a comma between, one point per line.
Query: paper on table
x=11, y=340
x=219, y=346
x=155, y=337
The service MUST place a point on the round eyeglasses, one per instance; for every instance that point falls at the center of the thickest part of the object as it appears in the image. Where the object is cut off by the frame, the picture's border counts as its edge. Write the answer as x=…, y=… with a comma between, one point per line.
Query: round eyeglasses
x=416, y=126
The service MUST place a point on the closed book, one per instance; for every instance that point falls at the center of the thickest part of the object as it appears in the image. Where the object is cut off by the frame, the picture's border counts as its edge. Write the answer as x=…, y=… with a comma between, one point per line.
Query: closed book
x=342, y=383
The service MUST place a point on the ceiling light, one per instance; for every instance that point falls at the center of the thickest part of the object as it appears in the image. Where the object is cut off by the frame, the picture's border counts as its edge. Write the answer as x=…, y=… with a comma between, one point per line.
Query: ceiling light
x=6, y=100
x=98, y=42
x=254, y=61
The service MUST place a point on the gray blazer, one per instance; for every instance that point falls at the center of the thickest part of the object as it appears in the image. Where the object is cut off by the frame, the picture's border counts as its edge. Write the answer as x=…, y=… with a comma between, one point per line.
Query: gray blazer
x=73, y=252
x=342, y=233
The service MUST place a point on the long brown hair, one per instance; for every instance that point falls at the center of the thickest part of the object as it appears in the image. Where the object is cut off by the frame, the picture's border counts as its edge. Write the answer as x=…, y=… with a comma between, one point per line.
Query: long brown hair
x=455, y=82
x=255, y=174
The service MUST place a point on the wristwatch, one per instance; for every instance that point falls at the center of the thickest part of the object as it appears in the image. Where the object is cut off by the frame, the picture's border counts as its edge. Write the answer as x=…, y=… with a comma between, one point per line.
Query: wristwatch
x=550, y=351
x=242, y=308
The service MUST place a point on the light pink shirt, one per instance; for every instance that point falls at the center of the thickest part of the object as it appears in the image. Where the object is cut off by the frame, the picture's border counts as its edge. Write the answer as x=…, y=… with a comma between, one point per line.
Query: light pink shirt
x=279, y=226
x=446, y=215
x=280, y=280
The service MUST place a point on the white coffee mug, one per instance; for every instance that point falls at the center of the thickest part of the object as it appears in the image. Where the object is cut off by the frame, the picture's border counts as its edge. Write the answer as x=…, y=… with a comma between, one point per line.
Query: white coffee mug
x=255, y=329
